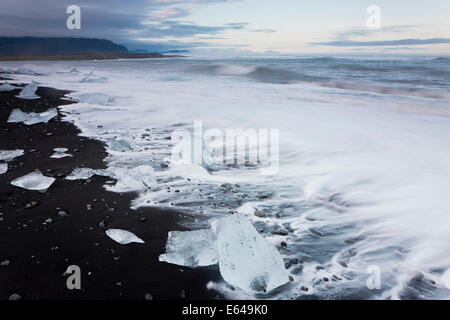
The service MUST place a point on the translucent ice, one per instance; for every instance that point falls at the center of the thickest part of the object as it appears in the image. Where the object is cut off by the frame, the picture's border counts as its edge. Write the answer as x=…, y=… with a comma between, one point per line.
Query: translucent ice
x=7, y=87
x=191, y=248
x=86, y=173
x=33, y=181
x=131, y=179
x=94, y=98
x=122, y=143
x=25, y=71
x=32, y=118
x=60, y=153
x=94, y=80
x=247, y=260
x=29, y=92
x=123, y=236
x=3, y=168
x=9, y=155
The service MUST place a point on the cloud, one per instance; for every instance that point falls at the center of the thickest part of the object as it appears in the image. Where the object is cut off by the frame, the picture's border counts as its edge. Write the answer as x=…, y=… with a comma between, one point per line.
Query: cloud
x=401, y=42
x=170, y=13
x=264, y=30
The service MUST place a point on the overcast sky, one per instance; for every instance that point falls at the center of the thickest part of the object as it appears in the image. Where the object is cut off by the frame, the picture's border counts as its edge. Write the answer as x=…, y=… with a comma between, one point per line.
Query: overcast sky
x=285, y=26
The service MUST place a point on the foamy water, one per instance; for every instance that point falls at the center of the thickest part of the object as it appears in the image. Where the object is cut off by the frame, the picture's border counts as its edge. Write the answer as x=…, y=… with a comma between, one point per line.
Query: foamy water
x=364, y=158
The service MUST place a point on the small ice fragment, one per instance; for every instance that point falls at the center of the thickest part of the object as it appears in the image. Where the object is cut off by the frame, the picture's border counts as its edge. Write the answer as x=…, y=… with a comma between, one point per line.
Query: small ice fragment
x=94, y=98
x=247, y=260
x=9, y=155
x=86, y=173
x=3, y=168
x=60, y=153
x=191, y=248
x=122, y=143
x=7, y=87
x=25, y=71
x=32, y=118
x=94, y=80
x=29, y=92
x=33, y=181
x=123, y=236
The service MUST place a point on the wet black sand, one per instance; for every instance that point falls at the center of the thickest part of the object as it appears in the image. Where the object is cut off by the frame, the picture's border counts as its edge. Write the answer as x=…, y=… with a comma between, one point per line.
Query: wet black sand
x=40, y=252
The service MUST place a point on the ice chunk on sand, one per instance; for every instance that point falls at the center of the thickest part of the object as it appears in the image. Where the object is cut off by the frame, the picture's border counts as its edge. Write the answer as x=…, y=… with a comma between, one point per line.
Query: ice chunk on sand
x=3, y=168
x=94, y=80
x=9, y=155
x=33, y=181
x=247, y=260
x=29, y=92
x=94, y=98
x=7, y=87
x=191, y=248
x=32, y=118
x=86, y=173
x=123, y=236
x=60, y=153
x=132, y=179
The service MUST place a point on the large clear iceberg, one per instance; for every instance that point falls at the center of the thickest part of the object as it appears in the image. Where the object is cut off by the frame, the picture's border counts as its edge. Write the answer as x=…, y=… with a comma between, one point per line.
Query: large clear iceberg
x=29, y=92
x=33, y=181
x=9, y=155
x=123, y=236
x=7, y=87
x=32, y=118
x=246, y=260
x=3, y=168
x=191, y=248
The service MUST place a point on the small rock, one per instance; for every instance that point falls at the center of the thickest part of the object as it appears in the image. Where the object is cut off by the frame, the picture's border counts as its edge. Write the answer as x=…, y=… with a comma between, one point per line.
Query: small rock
x=260, y=214
x=148, y=297
x=62, y=214
x=283, y=244
x=15, y=297
x=49, y=220
x=4, y=263
x=142, y=219
x=119, y=284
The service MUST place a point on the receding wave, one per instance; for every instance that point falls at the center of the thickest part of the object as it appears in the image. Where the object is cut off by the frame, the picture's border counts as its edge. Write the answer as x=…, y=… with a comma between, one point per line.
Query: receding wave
x=281, y=76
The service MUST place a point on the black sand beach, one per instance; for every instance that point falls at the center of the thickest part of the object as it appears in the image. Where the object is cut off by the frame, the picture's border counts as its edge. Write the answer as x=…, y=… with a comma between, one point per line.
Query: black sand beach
x=34, y=254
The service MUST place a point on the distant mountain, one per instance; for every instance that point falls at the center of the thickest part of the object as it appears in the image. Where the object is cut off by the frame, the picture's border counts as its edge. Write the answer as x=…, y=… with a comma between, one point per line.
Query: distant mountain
x=32, y=45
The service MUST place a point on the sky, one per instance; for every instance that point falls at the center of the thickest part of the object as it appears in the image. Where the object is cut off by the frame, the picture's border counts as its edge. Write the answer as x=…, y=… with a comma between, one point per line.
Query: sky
x=254, y=26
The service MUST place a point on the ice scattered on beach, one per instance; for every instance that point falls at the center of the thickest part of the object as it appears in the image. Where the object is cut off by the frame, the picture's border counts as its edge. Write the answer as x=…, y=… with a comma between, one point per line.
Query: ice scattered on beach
x=33, y=181
x=7, y=87
x=3, y=168
x=191, y=248
x=123, y=236
x=29, y=92
x=139, y=178
x=94, y=80
x=9, y=155
x=246, y=259
x=60, y=153
x=94, y=98
x=32, y=118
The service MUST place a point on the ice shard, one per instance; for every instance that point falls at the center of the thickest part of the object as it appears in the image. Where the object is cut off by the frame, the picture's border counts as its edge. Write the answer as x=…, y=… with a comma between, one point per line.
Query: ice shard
x=33, y=181
x=7, y=87
x=32, y=118
x=86, y=173
x=123, y=236
x=60, y=153
x=247, y=260
x=29, y=92
x=94, y=98
x=3, y=168
x=191, y=248
x=9, y=155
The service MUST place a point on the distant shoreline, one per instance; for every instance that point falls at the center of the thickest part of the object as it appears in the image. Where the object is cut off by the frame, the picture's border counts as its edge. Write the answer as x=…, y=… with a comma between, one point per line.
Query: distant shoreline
x=83, y=56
